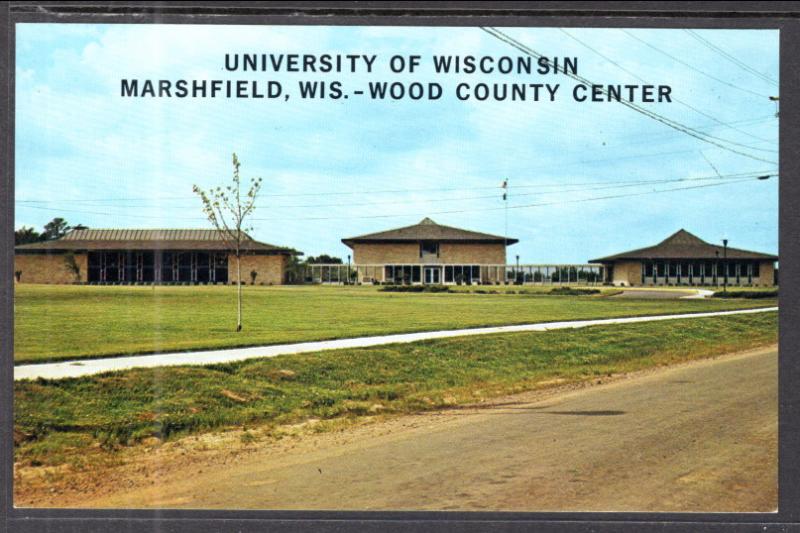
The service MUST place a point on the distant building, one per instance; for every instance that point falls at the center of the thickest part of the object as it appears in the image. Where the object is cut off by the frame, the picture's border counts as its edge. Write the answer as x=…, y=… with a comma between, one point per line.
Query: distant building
x=685, y=259
x=429, y=253
x=147, y=256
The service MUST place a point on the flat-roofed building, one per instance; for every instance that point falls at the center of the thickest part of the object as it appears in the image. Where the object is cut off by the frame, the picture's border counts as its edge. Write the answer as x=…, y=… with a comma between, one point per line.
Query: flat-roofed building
x=429, y=253
x=148, y=256
x=685, y=259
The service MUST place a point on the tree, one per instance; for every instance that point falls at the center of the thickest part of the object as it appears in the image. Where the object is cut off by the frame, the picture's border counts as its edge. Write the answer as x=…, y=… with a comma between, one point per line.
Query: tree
x=295, y=269
x=324, y=259
x=227, y=211
x=26, y=235
x=72, y=266
x=55, y=229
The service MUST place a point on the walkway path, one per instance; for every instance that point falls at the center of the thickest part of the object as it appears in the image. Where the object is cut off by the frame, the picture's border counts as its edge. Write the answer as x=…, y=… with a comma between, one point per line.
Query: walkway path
x=659, y=293
x=86, y=367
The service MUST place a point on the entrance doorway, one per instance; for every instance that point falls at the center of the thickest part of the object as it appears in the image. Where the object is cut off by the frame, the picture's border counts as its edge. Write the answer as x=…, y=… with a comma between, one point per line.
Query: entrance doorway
x=433, y=275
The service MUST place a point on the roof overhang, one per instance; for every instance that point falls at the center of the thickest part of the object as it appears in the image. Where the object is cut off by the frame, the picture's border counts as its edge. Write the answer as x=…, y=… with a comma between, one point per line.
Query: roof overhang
x=351, y=241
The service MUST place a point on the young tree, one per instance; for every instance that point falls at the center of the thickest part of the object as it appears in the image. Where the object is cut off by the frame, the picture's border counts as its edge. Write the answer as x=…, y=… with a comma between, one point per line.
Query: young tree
x=227, y=210
x=72, y=266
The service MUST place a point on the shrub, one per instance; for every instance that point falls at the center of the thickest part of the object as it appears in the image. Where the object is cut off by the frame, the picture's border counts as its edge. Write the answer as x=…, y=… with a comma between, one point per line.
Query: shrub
x=415, y=288
x=571, y=291
x=746, y=294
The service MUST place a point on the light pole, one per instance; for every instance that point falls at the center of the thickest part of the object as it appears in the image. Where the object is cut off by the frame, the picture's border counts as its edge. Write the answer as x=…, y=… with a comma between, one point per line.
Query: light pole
x=516, y=272
x=725, y=262
x=348, y=270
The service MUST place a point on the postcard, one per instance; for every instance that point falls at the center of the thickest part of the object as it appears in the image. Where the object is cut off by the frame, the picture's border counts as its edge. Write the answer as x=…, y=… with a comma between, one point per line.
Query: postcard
x=395, y=268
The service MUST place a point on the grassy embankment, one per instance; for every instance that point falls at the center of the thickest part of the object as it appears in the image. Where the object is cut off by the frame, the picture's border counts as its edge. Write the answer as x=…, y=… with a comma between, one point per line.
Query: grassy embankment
x=66, y=322
x=79, y=421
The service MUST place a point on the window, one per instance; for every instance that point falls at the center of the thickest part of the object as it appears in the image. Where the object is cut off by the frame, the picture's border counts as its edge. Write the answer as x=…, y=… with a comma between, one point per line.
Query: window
x=221, y=268
x=709, y=269
x=673, y=270
x=660, y=269
x=429, y=248
x=648, y=269
x=95, y=265
x=448, y=274
x=756, y=270
x=476, y=273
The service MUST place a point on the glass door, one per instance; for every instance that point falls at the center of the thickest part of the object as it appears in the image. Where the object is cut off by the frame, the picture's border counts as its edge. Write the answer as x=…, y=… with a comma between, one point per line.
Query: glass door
x=432, y=275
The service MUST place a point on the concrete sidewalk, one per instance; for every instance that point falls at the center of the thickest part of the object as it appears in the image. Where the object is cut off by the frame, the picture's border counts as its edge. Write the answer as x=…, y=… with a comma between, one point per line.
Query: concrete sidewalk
x=86, y=367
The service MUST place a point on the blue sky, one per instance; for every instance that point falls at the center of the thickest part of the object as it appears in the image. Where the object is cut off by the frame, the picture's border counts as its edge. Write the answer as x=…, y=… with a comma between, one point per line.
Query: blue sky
x=92, y=157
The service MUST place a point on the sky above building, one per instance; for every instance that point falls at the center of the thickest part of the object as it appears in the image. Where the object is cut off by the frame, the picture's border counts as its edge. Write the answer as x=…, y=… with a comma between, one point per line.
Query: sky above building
x=585, y=179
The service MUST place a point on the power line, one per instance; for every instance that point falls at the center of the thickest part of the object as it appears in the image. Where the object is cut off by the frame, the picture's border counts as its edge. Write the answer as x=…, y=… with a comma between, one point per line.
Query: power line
x=641, y=139
x=563, y=186
x=523, y=206
x=690, y=67
x=655, y=116
x=543, y=204
x=731, y=58
x=375, y=191
x=685, y=104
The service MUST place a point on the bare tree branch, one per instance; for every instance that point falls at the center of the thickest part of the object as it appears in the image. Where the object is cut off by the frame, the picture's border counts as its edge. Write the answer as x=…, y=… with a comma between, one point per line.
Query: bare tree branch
x=216, y=203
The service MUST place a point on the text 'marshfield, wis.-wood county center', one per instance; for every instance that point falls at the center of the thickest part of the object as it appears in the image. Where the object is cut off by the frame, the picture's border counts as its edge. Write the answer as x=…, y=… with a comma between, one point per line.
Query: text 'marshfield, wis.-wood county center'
x=423, y=253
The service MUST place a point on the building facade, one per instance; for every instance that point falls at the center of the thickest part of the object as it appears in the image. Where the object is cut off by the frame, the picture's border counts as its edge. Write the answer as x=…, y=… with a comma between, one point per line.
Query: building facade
x=429, y=253
x=114, y=256
x=685, y=259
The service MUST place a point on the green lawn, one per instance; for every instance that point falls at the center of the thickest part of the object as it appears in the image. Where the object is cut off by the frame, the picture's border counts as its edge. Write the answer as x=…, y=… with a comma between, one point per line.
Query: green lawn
x=63, y=420
x=62, y=322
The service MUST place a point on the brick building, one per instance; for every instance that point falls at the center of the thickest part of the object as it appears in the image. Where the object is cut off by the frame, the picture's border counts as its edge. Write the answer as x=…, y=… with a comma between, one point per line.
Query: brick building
x=147, y=256
x=429, y=253
x=685, y=259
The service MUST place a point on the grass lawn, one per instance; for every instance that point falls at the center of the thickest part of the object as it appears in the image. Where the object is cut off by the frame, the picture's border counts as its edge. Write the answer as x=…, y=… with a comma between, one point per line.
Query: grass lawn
x=63, y=420
x=53, y=322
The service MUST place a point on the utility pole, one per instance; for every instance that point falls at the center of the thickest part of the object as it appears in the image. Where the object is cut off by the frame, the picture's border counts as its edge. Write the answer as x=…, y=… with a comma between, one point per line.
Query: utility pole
x=725, y=262
x=505, y=231
x=776, y=99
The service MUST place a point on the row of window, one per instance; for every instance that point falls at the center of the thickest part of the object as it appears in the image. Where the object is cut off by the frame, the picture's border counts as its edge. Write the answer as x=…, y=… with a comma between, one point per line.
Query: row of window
x=700, y=269
x=432, y=274
x=197, y=267
x=472, y=274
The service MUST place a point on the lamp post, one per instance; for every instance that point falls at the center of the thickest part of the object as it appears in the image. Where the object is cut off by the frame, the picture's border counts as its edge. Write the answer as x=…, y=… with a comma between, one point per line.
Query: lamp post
x=516, y=272
x=348, y=270
x=725, y=262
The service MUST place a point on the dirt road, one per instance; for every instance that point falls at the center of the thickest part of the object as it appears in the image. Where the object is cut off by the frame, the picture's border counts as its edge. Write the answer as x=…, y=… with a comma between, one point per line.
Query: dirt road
x=699, y=437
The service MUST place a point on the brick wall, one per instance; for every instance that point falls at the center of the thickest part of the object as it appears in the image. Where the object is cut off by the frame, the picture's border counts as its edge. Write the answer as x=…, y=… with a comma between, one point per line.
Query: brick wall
x=49, y=268
x=472, y=254
x=370, y=254
x=449, y=253
x=271, y=269
x=627, y=273
x=766, y=274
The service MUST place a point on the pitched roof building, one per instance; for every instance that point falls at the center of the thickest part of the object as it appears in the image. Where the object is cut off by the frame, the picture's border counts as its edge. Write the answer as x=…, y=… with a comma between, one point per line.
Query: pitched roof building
x=428, y=230
x=685, y=259
x=147, y=256
x=428, y=252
